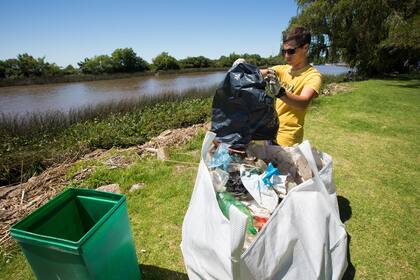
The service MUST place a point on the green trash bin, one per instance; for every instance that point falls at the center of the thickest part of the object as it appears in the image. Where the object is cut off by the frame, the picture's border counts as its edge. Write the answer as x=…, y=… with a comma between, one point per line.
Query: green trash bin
x=80, y=234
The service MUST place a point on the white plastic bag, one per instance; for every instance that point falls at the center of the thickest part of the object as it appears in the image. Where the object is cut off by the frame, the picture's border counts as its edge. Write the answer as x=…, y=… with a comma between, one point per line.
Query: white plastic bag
x=303, y=239
x=265, y=197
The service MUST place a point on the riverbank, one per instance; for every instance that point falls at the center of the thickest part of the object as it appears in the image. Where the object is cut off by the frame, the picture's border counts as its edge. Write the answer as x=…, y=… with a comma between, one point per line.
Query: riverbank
x=370, y=131
x=39, y=140
x=35, y=141
x=98, y=77
x=327, y=69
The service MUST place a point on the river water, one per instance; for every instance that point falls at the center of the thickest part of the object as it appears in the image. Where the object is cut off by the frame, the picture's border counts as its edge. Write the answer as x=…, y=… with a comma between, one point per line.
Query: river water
x=40, y=98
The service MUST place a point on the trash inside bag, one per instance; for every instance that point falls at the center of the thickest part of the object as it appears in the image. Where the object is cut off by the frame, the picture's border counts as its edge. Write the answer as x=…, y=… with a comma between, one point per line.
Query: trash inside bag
x=226, y=200
x=219, y=178
x=263, y=194
x=241, y=109
x=269, y=173
x=256, y=179
x=234, y=183
x=221, y=158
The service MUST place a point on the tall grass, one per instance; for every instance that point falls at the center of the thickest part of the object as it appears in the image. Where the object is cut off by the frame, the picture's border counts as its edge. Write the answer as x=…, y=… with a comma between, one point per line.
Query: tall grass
x=38, y=140
x=17, y=125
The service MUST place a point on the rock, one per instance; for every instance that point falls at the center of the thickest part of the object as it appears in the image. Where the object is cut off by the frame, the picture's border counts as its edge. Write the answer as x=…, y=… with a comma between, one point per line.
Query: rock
x=114, y=188
x=162, y=154
x=179, y=168
x=137, y=186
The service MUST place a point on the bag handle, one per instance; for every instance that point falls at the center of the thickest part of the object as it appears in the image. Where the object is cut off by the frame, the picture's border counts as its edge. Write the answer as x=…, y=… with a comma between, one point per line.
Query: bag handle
x=238, y=221
x=305, y=148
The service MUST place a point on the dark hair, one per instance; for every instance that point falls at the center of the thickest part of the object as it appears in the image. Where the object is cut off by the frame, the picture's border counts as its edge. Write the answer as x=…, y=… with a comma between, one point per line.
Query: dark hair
x=298, y=34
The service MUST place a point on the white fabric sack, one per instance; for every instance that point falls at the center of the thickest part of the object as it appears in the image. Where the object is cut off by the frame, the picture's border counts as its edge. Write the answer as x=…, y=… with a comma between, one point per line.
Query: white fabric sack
x=303, y=239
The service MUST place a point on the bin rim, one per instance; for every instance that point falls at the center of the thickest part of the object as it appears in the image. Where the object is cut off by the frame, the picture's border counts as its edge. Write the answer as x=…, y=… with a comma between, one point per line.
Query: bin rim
x=61, y=244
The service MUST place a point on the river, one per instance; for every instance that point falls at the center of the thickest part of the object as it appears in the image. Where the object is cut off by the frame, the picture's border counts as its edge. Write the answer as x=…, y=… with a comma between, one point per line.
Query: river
x=39, y=98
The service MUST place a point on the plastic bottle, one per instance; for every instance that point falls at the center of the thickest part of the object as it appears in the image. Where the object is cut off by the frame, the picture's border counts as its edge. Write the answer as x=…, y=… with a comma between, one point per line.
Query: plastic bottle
x=225, y=200
x=219, y=178
x=221, y=158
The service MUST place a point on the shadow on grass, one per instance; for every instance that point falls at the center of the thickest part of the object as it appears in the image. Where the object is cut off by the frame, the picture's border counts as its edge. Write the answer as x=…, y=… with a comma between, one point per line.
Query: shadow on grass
x=345, y=215
x=414, y=85
x=344, y=207
x=400, y=77
x=151, y=272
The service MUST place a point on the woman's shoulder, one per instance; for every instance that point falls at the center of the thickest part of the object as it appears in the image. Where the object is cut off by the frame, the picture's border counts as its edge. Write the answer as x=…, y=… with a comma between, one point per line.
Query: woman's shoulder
x=313, y=71
x=282, y=68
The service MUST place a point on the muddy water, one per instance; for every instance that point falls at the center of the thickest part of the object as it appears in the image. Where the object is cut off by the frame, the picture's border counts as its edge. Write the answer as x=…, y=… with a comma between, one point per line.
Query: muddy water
x=23, y=99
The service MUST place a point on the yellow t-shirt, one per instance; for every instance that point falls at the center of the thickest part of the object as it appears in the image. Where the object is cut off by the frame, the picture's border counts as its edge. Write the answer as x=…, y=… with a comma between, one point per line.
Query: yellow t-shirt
x=291, y=120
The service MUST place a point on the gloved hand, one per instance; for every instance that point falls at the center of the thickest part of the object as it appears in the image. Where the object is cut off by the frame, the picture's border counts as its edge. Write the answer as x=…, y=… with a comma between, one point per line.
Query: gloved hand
x=273, y=84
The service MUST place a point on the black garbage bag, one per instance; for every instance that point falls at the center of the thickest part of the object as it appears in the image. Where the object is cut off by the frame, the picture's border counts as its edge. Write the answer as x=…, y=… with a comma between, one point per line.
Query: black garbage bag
x=241, y=109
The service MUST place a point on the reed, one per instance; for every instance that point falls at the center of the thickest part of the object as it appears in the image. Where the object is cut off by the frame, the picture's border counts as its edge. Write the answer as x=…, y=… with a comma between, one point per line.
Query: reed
x=32, y=142
x=18, y=125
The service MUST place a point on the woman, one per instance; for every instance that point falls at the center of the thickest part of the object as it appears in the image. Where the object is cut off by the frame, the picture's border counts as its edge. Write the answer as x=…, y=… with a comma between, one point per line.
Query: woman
x=295, y=85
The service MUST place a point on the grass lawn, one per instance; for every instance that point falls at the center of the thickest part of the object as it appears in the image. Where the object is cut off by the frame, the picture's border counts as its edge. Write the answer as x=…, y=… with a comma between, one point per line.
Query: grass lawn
x=373, y=135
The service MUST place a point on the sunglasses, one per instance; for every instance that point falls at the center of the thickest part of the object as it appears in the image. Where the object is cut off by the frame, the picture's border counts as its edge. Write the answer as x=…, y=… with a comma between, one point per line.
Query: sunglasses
x=290, y=51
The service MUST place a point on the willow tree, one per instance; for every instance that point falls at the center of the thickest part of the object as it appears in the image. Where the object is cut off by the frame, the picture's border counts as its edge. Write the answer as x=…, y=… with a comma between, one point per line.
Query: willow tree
x=367, y=34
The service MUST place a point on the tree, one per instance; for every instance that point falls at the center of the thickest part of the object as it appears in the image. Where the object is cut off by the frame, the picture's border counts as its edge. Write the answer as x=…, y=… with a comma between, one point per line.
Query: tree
x=255, y=59
x=29, y=66
x=26, y=66
x=165, y=62
x=364, y=33
x=2, y=69
x=51, y=69
x=97, y=65
x=126, y=60
x=195, y=62
x=227, y=61
x=275, y=60
x=69, y=70
x=12, y=68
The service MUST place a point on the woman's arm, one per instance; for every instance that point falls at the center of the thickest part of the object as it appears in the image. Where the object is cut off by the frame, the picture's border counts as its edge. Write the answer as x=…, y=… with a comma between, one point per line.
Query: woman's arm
x=301, y=101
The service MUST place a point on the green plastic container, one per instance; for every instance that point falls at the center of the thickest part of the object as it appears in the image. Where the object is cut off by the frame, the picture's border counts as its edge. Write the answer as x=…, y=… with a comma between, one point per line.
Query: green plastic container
x=80, y=234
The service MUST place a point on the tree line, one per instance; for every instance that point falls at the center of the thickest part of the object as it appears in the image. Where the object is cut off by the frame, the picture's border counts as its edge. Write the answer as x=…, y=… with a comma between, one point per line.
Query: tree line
x=121, y=60
x=375, y=36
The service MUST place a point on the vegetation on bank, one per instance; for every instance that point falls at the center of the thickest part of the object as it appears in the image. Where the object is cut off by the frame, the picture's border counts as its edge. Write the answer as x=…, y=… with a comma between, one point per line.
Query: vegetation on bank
x=32, y=143
x=372, y=135
x=71, y=78
x=123, y=62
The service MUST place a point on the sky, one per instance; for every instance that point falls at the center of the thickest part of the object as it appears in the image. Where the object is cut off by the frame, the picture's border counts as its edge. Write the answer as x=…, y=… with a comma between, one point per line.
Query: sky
x=66, y=32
